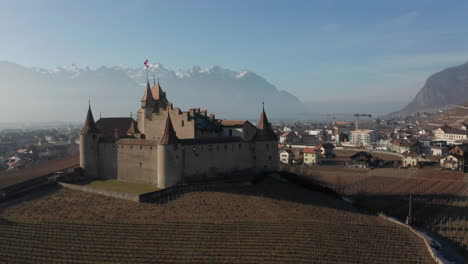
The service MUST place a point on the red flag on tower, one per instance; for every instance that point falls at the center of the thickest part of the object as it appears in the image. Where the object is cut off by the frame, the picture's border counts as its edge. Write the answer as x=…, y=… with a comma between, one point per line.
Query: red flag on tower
x=146, y=63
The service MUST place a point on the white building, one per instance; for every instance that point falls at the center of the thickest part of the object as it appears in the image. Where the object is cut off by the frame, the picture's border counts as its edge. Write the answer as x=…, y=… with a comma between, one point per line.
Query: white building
x=363, y=137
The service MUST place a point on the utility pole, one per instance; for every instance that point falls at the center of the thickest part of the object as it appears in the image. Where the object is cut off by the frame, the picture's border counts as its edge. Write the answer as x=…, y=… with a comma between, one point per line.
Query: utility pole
x=409, y=217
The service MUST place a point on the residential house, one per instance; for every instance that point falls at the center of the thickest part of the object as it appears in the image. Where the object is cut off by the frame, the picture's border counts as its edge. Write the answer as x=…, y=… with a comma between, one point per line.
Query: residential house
x=402, y=145
x=312, y=155
x=287, y=156
x=410, y=159
x=289, y=138
x=452, y=162
x=361, y=159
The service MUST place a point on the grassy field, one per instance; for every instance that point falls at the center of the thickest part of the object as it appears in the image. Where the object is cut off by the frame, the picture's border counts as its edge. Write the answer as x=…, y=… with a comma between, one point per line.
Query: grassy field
x=120, y=186
x=271, y=222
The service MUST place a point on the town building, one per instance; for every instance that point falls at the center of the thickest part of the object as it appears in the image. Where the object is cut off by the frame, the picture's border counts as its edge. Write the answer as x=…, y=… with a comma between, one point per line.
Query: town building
x=287, y=156
x=361, y=160
x=364, y=137
x=410, y=159
x=166, y=146
x=312, y=156
x=450, y=133
x=403, y=145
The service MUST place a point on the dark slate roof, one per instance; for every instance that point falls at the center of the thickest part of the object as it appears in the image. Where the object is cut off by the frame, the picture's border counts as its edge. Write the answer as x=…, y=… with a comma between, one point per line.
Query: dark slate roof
x=108, y=125
x=451, y=130
x=206, y=123
x=264, y=131
x=89, y=126
x=363, y=154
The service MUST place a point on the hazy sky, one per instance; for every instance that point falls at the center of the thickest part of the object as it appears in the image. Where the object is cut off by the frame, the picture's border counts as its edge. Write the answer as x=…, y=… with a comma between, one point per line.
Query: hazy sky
x=344, y=51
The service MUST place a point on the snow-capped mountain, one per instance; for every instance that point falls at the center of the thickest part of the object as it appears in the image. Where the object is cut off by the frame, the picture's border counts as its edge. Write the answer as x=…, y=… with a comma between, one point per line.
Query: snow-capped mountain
x=62, y=93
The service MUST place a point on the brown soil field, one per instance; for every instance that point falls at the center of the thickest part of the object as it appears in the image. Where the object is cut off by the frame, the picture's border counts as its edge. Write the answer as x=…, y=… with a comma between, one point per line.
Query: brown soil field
x=270, y=222
x=9, y=178
x=439, y=198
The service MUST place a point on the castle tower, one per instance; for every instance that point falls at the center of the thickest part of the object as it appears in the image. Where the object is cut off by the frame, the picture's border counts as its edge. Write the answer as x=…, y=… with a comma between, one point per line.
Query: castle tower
x=159, y=95
x=266, y=145
x=170, y=160
x=148, y=105
x=89, y=151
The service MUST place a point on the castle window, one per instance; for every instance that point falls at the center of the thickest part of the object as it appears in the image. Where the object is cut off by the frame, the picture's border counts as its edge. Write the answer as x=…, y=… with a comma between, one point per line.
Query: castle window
x=122, y=146
x=141, y=147
x=230, y=132
x=182, y=123
x=131, y=147
x=151, y=147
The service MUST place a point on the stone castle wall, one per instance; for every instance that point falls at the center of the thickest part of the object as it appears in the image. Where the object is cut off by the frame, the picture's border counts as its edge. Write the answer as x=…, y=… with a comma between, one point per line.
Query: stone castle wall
x=167, y=165
x=137, y=163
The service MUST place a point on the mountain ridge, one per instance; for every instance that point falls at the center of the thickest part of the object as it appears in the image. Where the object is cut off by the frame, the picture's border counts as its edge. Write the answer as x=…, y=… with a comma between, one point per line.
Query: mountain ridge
x=442, y=90
x=61, y=93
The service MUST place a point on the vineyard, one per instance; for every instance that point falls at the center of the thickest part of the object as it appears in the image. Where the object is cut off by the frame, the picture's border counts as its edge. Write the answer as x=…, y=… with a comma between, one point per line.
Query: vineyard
x=439, y=199
x=270, y=222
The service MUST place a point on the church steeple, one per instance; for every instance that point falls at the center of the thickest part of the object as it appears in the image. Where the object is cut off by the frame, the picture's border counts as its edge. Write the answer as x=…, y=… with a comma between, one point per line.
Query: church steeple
x=264, y=130
x=90, y=125
x=169, y=135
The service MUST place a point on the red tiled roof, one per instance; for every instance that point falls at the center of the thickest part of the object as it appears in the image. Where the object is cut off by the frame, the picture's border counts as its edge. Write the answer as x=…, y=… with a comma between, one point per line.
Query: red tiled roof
x=310, y=150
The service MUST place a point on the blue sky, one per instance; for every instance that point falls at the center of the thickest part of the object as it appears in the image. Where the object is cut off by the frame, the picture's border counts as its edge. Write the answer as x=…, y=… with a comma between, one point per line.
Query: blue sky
x=321, y=51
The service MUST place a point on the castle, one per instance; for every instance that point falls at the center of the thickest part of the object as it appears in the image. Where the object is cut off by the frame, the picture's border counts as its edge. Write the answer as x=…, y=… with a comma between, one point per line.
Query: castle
x=166, y=146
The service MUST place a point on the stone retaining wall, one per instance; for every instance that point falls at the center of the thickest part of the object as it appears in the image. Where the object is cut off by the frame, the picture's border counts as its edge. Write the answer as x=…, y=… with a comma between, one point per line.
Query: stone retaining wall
x=119, y=195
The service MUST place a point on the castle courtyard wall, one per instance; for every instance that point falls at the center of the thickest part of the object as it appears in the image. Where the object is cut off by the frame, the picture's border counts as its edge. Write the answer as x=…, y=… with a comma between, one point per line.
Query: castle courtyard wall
x=137, y=163
x=210, y=160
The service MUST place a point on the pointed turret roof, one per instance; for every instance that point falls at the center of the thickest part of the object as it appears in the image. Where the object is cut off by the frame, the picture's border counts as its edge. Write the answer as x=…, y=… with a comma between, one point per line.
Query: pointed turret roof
x=159, y=95
x=89, y=126
x=264, y=131
x=169, y=135
x=133, y=129
x=148, y=94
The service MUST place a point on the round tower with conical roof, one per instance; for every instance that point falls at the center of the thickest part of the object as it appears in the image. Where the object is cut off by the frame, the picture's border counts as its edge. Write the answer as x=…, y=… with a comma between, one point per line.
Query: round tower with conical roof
x=89, y=146
x=170, y=159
